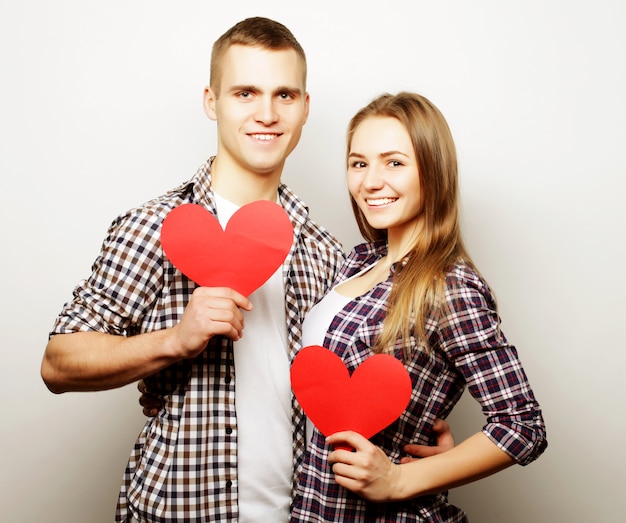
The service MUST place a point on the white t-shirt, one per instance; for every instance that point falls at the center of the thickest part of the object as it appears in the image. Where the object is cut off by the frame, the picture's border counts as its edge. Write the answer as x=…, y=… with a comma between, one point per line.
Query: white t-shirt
x=263, y=401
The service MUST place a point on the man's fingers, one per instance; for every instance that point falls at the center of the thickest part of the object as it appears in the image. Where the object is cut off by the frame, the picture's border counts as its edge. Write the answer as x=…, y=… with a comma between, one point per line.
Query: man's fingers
x=223, y=293
x=150, y=413
x=421, y=451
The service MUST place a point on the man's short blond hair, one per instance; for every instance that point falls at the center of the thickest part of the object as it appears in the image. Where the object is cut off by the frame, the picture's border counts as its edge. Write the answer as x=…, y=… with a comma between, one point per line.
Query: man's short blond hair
x=254, y=32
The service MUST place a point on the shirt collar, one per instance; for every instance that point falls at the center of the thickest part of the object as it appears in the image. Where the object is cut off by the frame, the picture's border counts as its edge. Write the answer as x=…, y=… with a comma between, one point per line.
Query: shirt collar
x=202, y=193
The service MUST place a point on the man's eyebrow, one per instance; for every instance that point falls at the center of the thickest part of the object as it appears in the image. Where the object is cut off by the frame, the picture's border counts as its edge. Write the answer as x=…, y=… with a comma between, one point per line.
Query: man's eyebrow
x=288, y=89
x=255, y=89
x=240, y=88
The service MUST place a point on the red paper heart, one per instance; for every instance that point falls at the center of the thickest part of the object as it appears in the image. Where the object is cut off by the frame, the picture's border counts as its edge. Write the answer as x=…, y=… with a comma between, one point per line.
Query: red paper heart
x=254, y=244
x=366, y=402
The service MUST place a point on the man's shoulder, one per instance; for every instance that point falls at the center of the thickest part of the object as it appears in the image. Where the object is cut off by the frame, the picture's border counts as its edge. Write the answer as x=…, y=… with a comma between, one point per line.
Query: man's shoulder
x=154, y=210
x=150, y=213
x=319, y=233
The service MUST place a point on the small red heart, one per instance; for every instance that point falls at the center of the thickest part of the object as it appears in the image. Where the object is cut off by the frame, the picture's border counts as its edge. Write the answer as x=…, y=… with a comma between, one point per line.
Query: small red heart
x=254, y=244
x=366, y=402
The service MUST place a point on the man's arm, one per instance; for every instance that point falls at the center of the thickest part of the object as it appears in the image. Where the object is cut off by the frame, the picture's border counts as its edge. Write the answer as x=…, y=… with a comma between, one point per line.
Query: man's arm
x=90, y=361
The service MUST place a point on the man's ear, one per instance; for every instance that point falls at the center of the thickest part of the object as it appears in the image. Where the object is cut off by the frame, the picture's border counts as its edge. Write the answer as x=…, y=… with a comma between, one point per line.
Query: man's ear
x=307, y=105
x=209, y=103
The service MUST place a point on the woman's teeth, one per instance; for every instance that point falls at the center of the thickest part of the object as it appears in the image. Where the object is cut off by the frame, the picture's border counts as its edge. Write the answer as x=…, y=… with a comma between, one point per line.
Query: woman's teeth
x=380, y=201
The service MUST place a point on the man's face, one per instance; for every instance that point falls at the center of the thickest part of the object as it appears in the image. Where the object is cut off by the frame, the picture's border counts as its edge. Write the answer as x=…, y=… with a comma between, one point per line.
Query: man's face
x=261, y=109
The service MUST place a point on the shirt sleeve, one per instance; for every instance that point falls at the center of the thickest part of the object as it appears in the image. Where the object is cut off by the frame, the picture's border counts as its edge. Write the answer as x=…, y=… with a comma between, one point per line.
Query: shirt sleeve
x=126, y=278
x=471, y=337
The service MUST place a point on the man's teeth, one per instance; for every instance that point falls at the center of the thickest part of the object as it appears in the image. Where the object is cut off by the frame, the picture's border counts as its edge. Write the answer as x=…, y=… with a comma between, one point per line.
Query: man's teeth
x=264, y=137
x=380, y=201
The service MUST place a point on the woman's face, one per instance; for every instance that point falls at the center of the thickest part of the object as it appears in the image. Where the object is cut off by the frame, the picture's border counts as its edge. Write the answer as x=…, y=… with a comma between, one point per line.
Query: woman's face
x=383, y=177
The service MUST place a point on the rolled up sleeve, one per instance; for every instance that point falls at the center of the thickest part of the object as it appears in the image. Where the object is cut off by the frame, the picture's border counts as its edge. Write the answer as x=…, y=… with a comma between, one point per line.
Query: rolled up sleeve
x=471, y=337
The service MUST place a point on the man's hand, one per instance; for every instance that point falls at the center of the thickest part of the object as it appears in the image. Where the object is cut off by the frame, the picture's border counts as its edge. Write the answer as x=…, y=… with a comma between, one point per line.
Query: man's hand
x=151, y=403
x=445, y=442
x=211, y=311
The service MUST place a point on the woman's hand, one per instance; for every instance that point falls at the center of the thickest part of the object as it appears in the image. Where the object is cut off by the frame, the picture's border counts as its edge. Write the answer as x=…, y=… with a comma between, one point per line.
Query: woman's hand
x=367, y=470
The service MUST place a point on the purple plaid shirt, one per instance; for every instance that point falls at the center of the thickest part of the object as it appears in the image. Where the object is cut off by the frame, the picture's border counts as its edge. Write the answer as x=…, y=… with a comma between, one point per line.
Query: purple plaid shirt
x=468, y=349
x=183, y=467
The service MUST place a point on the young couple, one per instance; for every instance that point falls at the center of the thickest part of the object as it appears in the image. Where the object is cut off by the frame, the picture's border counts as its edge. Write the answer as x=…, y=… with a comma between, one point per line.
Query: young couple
x=228, y=443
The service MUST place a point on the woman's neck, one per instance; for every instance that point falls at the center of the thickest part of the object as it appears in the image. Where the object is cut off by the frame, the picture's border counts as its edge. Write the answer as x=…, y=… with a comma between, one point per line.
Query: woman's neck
x=400, y=244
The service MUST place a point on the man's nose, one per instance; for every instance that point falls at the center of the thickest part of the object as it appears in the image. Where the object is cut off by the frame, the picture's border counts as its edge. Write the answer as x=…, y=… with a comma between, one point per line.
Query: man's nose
x=266, y=111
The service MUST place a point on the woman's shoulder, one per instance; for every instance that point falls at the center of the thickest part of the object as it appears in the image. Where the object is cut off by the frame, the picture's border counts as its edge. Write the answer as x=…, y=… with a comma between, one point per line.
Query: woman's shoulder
x=463, y=280
x=463, y=271
x=361, y=255
x=367, y=249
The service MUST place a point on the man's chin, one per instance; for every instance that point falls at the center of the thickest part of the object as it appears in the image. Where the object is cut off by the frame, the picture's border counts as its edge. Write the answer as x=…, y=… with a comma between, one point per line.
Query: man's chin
x=267, y=168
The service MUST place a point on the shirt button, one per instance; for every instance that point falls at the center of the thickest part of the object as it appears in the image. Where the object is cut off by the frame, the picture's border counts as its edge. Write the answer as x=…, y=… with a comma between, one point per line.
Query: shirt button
x=229, y=484
x=229, y=430
x=227, y=379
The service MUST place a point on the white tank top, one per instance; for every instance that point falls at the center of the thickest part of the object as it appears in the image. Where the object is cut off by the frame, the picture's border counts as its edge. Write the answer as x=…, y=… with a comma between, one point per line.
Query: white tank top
x=318, y=320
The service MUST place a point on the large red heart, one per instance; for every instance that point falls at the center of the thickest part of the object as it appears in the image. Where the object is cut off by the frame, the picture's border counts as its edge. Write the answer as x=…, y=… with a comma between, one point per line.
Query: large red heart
x=254, y=244
x=366, y=402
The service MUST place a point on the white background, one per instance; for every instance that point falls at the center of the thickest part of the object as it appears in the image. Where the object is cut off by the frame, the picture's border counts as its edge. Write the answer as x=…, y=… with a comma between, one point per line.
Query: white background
x=100, y=109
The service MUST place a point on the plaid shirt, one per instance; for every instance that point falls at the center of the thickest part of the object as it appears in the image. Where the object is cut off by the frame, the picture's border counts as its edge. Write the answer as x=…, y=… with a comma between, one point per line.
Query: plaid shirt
x=183, y=467
x=468, y=349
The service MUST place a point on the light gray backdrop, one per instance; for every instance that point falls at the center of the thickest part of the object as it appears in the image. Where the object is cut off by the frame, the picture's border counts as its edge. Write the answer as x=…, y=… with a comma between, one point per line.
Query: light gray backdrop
x=101, y=109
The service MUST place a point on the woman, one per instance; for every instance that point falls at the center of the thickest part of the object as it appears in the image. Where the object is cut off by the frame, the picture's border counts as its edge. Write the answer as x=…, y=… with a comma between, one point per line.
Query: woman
x=413, y=291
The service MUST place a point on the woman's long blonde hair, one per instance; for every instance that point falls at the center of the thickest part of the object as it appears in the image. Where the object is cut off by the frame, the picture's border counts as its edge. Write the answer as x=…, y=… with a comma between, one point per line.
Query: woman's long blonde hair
x=419, y=284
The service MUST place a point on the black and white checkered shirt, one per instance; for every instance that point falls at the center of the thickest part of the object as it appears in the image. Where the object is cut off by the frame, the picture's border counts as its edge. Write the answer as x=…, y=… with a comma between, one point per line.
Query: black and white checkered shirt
x=184, y=463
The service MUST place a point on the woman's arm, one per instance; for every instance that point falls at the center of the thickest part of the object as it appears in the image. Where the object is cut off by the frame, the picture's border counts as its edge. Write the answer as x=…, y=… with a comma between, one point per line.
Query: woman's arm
x=369, y=472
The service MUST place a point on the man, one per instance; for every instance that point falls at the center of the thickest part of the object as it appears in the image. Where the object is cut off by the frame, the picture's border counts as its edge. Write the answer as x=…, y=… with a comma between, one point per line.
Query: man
x=136, y=316
x=214, y=451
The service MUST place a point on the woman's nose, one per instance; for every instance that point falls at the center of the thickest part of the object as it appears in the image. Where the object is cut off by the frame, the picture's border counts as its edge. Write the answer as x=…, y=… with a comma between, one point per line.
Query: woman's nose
x=373, y=178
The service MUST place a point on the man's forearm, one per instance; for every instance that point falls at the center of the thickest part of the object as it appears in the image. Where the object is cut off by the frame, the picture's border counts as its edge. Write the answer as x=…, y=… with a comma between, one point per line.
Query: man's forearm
x=91, y=361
